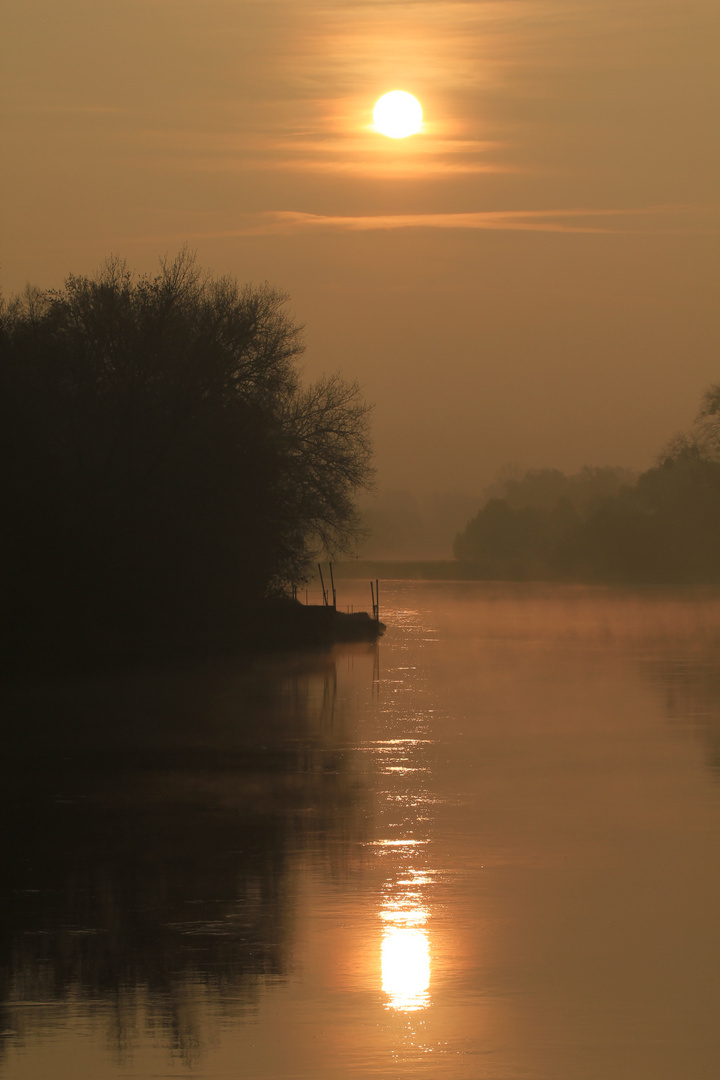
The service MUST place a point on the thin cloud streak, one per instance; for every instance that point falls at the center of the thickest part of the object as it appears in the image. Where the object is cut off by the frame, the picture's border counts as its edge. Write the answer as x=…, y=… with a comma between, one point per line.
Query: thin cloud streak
x=354, y=168
x=363, y=154
x=281, y=222
x=63, y=110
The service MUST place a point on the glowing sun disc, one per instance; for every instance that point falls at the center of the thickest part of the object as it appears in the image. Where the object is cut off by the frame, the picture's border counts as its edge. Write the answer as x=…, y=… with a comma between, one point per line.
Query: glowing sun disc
x=398, y=114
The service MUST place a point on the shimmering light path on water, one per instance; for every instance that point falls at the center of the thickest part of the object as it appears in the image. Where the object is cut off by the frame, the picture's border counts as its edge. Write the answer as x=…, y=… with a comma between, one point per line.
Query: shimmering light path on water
x=487, y=848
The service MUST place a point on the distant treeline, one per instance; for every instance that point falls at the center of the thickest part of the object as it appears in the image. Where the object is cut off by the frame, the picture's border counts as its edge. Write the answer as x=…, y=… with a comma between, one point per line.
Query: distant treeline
x=606, y=525
x=163, y=468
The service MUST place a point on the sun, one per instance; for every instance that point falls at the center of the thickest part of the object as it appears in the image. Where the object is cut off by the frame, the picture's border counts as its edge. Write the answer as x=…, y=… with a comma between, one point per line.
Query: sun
x=398, y=114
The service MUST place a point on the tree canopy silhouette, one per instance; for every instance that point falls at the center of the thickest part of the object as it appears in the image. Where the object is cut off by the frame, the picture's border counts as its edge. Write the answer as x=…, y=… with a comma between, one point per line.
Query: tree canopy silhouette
x=163, y=467
x=605, y=525
x=527, y=527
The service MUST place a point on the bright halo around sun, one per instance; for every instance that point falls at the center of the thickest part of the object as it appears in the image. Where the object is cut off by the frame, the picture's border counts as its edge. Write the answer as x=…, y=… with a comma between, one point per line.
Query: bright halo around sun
x=398, y=114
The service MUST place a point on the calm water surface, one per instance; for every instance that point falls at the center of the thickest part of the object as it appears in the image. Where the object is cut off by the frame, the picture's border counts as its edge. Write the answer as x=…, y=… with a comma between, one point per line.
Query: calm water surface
x=488, y=847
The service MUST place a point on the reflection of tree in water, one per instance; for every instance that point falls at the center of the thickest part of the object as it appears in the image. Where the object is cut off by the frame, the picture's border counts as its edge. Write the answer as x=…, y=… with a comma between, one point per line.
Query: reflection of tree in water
x=691, y=689
x=157, y=864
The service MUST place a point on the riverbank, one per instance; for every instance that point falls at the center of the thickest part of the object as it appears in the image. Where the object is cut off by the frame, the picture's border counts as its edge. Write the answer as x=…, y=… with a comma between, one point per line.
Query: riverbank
x=287, y=624
x=279, y=625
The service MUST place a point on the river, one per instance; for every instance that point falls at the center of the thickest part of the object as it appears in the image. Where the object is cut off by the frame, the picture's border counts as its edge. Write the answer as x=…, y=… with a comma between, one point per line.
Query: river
x=488, y=847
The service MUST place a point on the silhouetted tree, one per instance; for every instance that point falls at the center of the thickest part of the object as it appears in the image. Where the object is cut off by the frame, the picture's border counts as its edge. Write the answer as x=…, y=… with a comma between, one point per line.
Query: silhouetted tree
x=703, y=440
x=162, y=466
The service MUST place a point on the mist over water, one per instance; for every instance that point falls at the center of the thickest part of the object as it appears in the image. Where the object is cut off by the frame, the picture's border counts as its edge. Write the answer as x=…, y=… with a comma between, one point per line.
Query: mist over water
x=487, y=846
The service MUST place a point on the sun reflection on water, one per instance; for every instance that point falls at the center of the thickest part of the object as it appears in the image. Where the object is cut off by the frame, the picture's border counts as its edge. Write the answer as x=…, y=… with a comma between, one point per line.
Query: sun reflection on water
x=406, y=967
x=404, y=755
x=405, y=948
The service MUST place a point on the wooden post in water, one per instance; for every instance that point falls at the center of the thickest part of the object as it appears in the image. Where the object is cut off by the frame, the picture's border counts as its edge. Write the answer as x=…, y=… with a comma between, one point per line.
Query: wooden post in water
x=332, y=586
x=322, y=585
x=377, y=599
x=372, y=593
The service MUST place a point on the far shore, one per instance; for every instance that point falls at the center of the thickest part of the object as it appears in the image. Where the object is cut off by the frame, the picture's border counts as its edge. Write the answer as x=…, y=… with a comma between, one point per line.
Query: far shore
x=409, y=570
x=461, y=570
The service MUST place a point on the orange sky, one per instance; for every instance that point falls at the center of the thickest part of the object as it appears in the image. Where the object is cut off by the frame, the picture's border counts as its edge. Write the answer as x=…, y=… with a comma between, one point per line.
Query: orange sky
x=533, y=278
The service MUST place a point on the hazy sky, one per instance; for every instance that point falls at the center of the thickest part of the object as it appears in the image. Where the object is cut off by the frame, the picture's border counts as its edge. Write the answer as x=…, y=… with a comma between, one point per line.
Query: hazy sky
x=533, y=278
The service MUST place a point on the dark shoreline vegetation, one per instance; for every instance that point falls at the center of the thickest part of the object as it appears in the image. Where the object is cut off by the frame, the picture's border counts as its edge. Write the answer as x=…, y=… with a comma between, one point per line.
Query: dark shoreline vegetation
x=167, y=477
x=605, y=526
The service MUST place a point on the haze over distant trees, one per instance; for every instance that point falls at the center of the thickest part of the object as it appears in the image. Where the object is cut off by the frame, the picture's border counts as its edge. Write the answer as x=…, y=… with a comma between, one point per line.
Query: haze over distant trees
x=401, y=525
x=163, y=468
x=604, y=524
